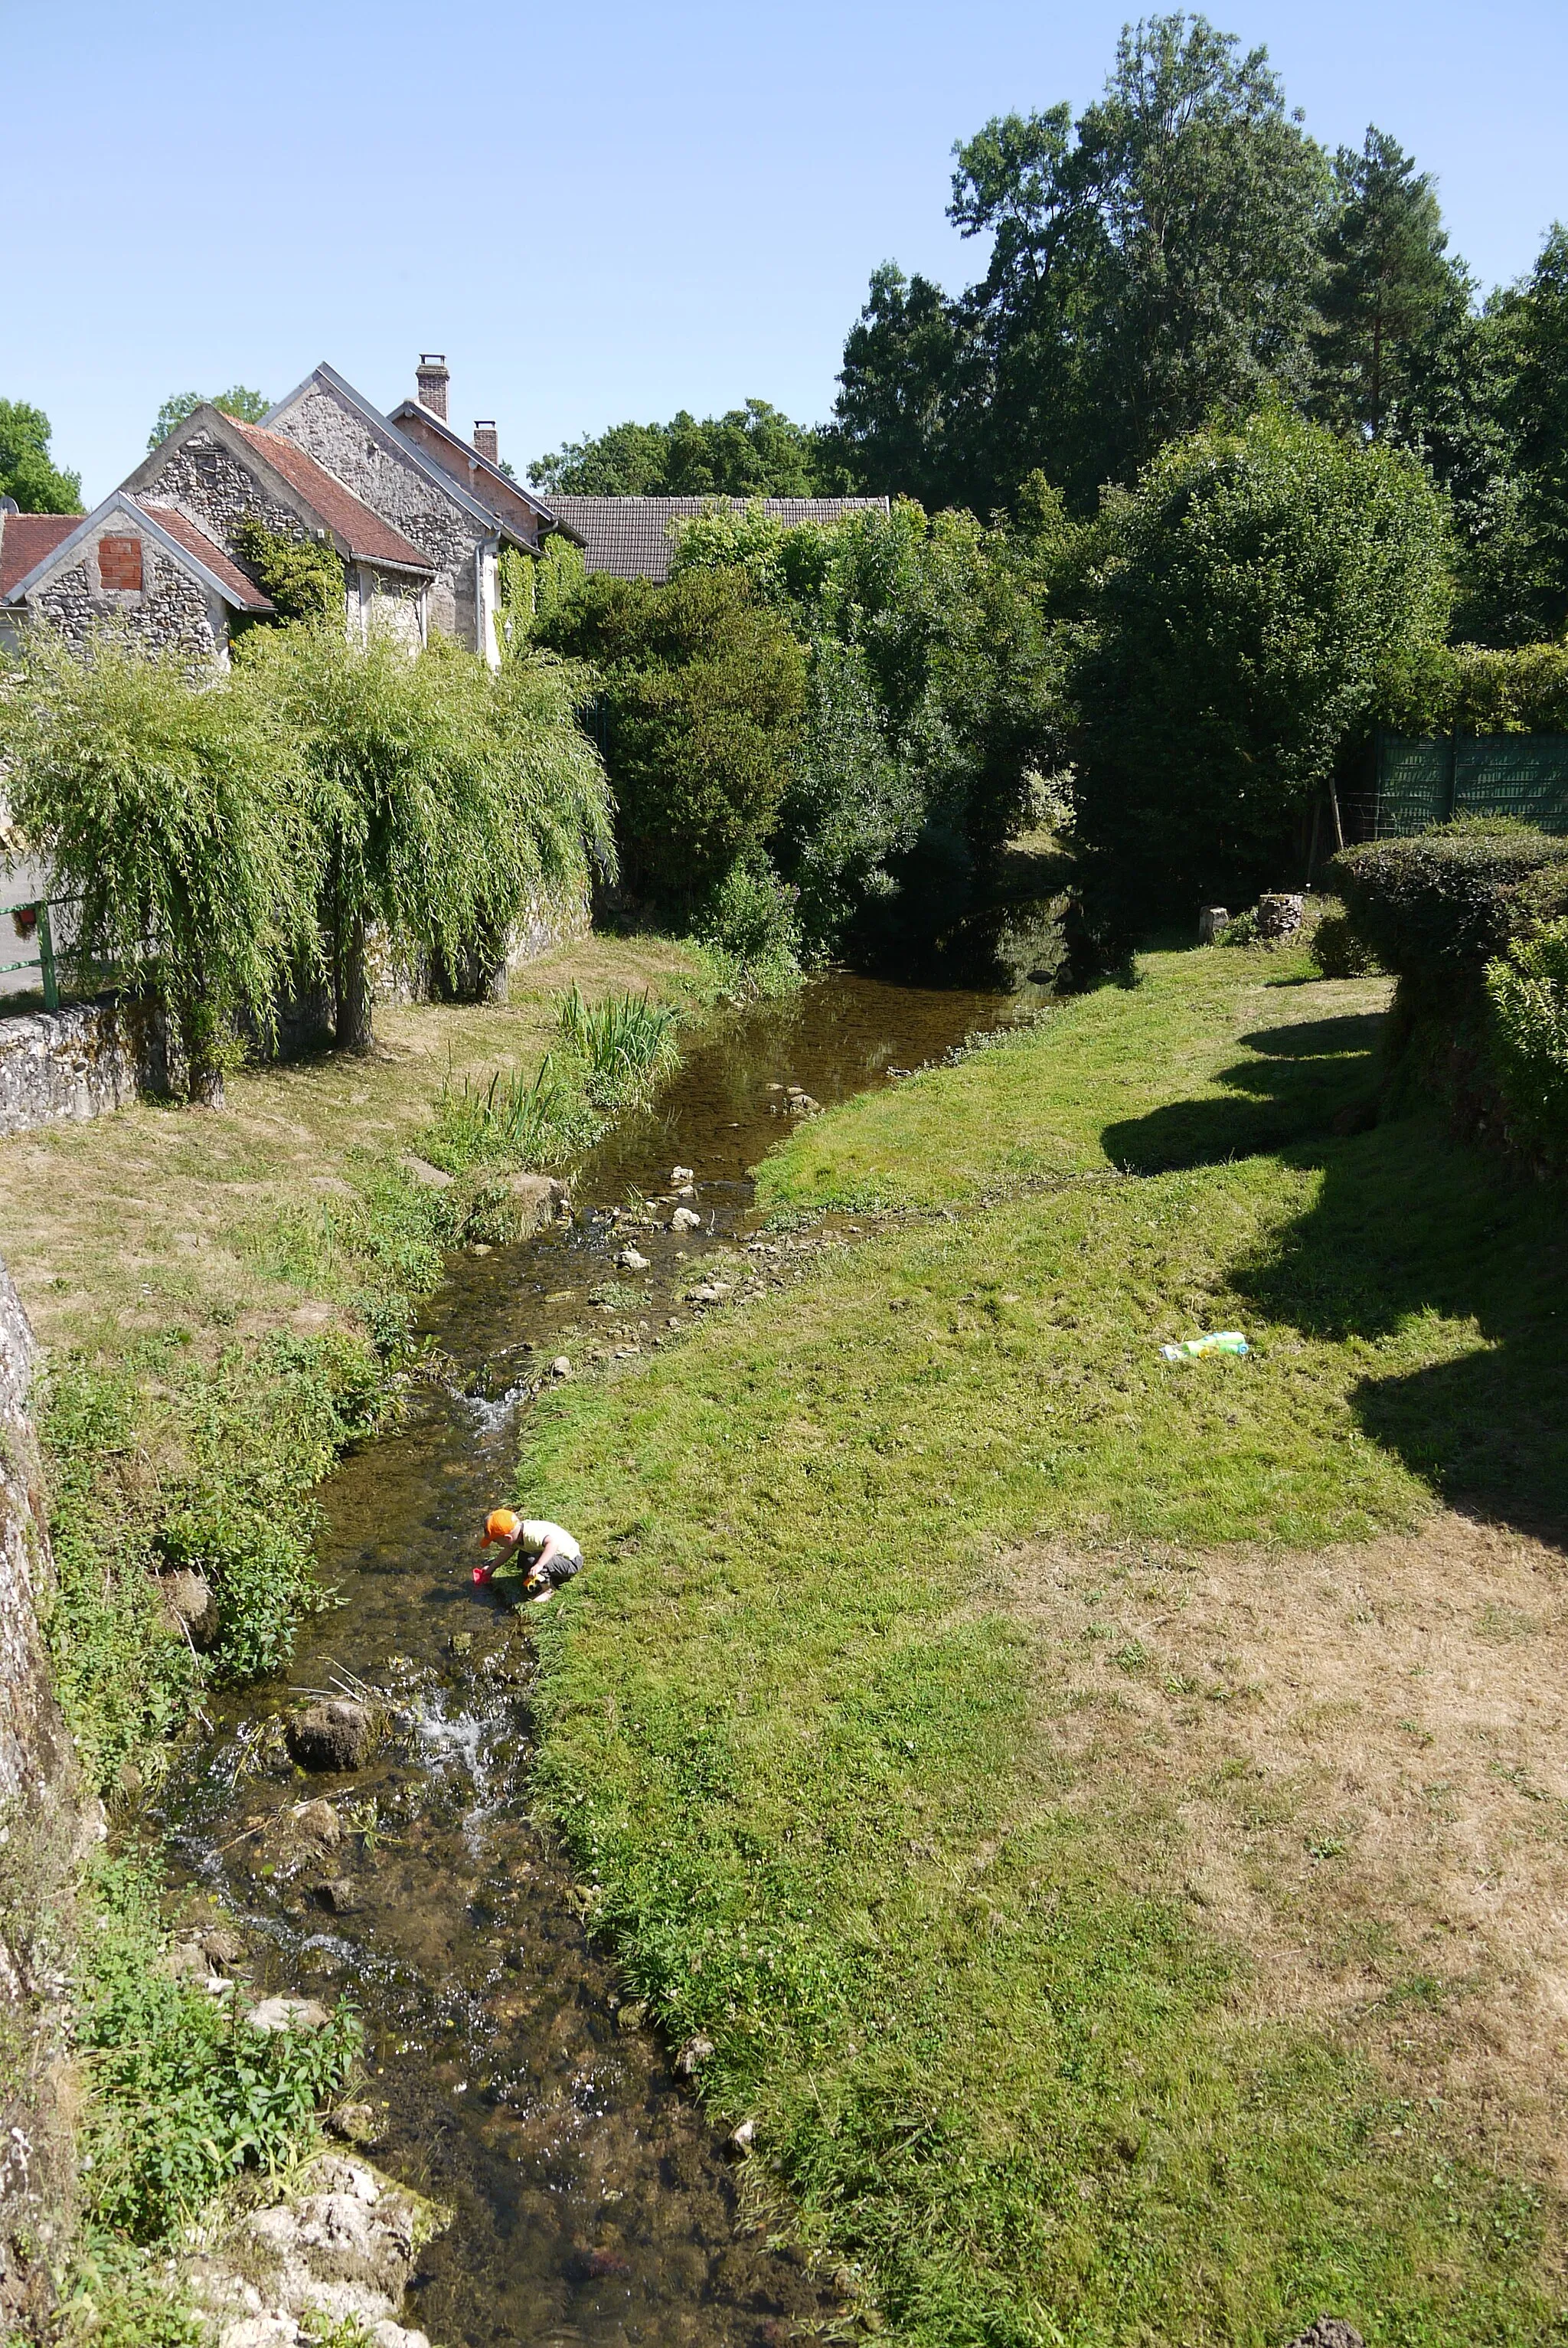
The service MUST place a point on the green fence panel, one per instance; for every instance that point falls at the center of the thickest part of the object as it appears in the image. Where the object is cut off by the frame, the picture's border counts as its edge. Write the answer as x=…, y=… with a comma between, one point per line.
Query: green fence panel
x=1420, y=783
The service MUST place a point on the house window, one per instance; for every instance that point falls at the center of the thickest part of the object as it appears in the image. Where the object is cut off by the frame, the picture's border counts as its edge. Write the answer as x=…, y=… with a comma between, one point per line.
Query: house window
x=119, y=562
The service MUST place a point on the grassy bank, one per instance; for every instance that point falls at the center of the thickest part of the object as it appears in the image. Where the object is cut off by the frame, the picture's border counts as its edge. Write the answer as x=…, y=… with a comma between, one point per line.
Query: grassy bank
x=1107, y=1816
x=223, y=1295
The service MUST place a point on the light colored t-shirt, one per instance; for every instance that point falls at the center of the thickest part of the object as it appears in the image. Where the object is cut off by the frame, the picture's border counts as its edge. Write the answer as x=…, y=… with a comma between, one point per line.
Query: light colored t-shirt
x=537, y=1531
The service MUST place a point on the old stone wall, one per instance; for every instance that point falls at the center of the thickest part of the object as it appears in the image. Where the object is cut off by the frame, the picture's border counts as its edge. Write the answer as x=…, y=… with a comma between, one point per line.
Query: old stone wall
x=76, y=1064
x=386, y=602
x=209, y=483
x=171, y=610
x=41, y=1827
x=391, y=485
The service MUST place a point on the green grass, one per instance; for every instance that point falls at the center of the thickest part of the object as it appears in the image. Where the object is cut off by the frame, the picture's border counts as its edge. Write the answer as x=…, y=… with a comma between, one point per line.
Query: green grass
x=831, y=1797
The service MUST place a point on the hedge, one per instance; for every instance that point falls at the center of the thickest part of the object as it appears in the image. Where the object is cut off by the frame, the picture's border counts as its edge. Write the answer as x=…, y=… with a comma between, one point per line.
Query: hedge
x=1466, y=689
x=1436, y=907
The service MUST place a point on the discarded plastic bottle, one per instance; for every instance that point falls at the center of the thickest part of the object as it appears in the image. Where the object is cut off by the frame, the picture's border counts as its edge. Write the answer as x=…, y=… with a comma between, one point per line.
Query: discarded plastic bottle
x=1191, y=1349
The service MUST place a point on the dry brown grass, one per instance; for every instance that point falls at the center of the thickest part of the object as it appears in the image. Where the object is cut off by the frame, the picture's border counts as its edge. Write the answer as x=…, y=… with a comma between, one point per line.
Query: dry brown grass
x=164, y=1214
x=1362, y=1757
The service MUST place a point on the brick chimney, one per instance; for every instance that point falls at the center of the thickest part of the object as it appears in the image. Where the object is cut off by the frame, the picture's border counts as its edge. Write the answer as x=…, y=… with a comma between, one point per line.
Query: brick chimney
x=484, y=439
x=432, y=375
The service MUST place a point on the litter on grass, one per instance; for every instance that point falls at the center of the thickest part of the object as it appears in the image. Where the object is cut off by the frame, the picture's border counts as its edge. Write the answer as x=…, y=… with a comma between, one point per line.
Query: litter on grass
x=1192, y=1349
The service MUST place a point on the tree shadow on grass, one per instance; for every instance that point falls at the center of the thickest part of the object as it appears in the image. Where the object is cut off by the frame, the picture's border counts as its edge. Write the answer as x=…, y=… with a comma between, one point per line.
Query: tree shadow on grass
x=1456, y=1270
x=1300, y=1077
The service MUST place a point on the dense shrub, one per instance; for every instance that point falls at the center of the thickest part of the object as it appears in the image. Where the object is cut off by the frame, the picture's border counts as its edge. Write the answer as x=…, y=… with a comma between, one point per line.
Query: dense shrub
x=1528, y=990
x=702, y=688
x=1244, y=603
x=751, y=927
x=1337, y=951
x=1435, y=909
x=934, y=696
x=1439, y=688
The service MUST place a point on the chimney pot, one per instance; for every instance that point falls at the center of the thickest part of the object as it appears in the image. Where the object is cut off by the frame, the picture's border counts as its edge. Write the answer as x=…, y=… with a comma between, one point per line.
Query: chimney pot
x=484, y=439
x=432, y=375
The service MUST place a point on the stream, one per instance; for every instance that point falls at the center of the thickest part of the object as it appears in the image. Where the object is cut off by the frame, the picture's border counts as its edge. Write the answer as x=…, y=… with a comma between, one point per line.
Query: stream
x=594, y=2204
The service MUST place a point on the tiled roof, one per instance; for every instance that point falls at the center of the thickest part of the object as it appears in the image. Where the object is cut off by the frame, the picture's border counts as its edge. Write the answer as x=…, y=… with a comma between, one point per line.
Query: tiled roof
x=241, y=591
x=366, y=536
x=25, y=539
x=631, y=536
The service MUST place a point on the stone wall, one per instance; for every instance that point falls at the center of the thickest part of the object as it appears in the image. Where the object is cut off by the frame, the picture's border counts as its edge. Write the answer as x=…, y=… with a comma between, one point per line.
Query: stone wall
x=77, y=1063
x=391, y=485
x=217, y=491
x=41, y=1825
x=171, y=610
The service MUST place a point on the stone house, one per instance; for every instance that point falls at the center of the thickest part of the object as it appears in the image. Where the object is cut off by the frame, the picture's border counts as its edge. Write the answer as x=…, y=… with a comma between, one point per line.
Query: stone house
x=219, y=472
x=433, y=500
x=144, y=565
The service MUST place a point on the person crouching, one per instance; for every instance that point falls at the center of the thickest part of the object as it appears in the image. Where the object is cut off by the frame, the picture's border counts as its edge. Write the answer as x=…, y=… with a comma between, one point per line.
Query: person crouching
x=553, y=1555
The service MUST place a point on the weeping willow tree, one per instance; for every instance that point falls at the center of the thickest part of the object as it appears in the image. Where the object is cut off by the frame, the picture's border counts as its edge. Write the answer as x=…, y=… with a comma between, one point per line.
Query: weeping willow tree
x=444, y=798
x=174, y=817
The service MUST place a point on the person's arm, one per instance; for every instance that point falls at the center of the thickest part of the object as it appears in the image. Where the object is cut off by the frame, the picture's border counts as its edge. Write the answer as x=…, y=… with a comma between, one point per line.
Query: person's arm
x=536, y=1571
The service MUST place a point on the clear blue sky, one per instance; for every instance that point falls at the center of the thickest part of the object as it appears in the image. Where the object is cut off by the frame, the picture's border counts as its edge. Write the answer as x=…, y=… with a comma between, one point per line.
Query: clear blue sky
x=604, y=211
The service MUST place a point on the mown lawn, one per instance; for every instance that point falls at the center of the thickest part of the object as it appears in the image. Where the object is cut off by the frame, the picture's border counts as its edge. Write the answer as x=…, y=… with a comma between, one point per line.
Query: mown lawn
x=920, y=1859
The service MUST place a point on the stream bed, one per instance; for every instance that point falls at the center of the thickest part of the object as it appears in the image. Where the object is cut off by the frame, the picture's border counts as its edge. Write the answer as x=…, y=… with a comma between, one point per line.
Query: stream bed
x=594, y=2204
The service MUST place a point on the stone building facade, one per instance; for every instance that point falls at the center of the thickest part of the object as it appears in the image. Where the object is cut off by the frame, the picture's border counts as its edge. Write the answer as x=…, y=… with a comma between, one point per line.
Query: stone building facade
x=144, y=567
x=221, y=472
x=456, y=533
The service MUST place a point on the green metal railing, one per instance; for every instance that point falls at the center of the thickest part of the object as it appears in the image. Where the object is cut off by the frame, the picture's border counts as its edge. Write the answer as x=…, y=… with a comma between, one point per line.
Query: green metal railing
x=29, y=920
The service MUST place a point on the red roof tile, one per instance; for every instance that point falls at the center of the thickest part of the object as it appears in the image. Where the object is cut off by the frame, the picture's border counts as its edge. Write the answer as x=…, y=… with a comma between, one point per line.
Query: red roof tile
x=25, y=539
x=367, y=536
x=236, y=586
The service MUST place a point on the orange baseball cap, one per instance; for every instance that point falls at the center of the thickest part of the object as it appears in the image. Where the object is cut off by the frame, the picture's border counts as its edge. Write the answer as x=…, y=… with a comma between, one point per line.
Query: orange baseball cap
x=501, y=1525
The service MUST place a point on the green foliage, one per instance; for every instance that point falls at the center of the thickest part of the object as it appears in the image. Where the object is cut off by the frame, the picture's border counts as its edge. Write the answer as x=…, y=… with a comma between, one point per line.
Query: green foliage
x=182, y=2094
x=304, y=579
x=1150, y=264
x=441, y=797
x=626, y=1043
x=533, y=589
x=701, y=691
x=1528, y=992
x=157, y=1462
x=748, y=452
x=1435, y=909
x=1436, y=688
x=1537, y=327
x=1335, y=949
x=511, y=1121
x=935, y=690
x=249, y=406
x=1249, y=597
x=1386, y=289
x=27, y=471
x=176, y=818
x=751, y=928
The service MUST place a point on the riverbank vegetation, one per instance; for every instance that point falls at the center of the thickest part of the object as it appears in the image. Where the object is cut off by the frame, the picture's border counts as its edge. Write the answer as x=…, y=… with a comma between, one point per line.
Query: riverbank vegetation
x=1076, y=1795
x=225, y=1299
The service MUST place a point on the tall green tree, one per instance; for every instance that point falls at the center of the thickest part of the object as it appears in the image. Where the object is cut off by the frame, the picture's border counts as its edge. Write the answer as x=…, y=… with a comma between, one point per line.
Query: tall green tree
x=27, y=471
x=1247, y=597
x=750, y=451
x=1387, y=293
x=1536, y=324
x=1151, y=264
x=907, y=422
x=239, y=400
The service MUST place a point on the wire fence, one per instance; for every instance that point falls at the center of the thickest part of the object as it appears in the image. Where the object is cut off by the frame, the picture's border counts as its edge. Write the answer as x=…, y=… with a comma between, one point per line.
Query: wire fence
x=1420, y=783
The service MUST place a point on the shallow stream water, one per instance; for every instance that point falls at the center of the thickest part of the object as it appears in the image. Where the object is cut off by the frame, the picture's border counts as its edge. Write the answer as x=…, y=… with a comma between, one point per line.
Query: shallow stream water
x=593, y=2204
